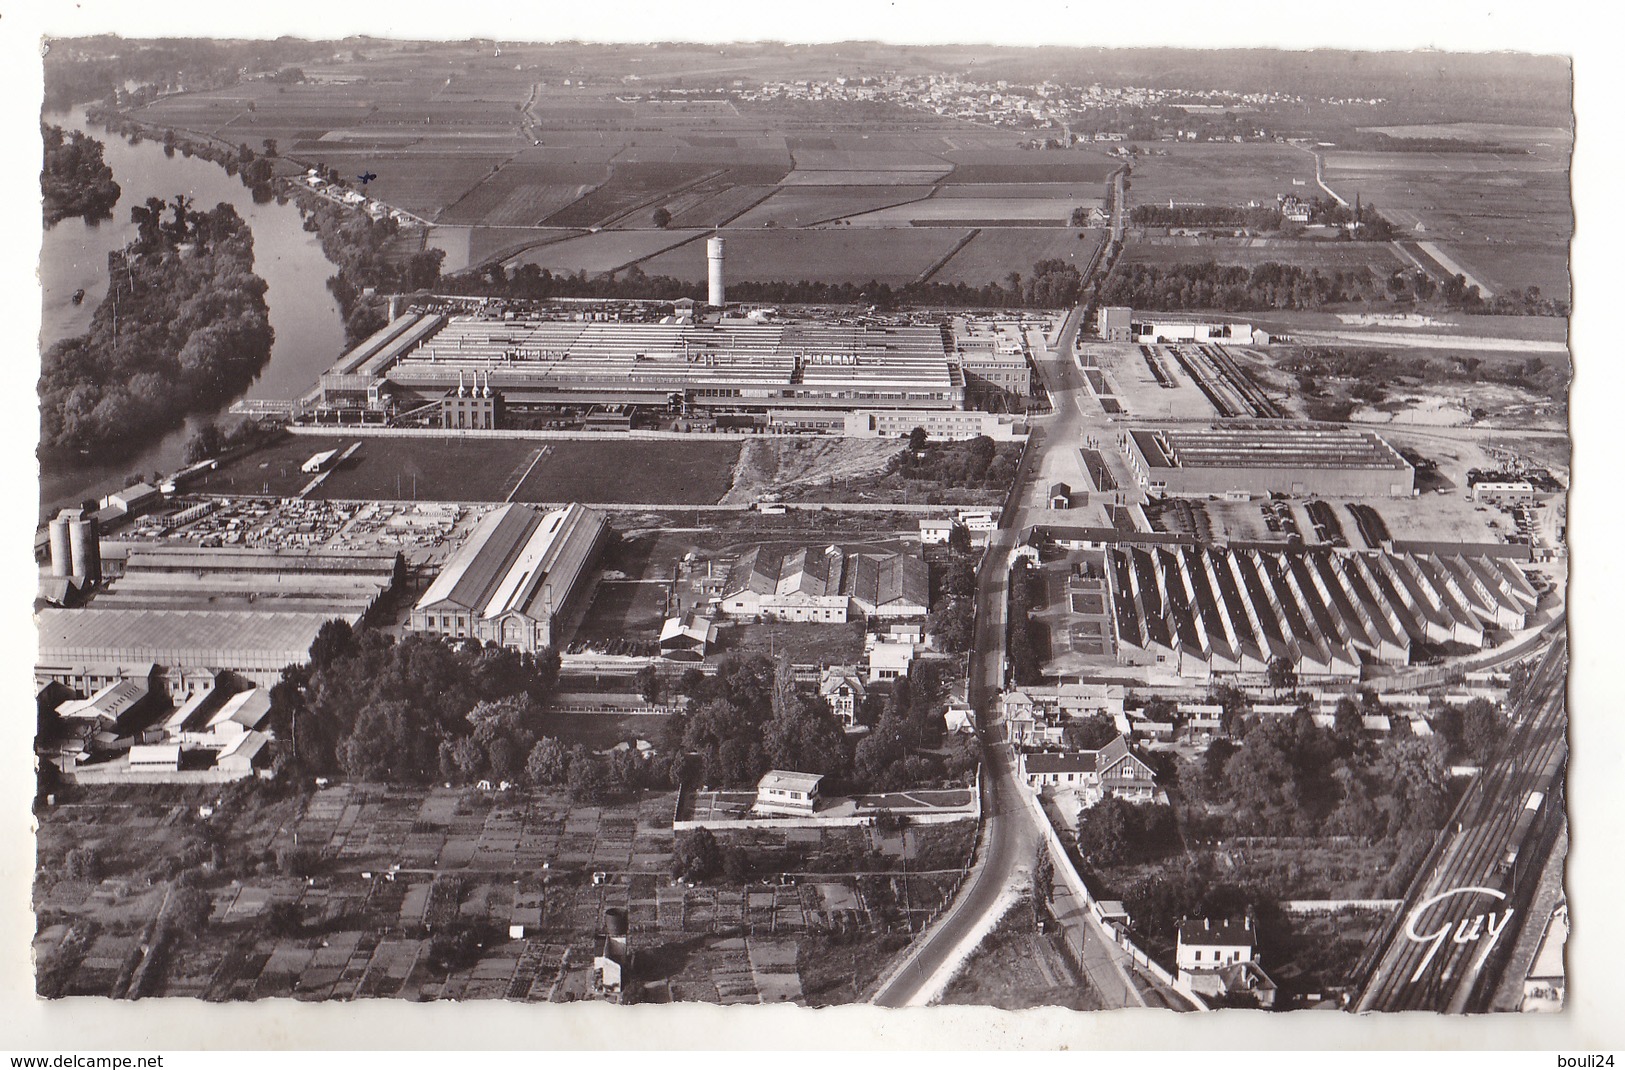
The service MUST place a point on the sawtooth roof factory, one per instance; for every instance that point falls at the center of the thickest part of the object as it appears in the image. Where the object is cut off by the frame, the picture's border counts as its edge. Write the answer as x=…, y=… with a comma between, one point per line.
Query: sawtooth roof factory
x=1260, y=458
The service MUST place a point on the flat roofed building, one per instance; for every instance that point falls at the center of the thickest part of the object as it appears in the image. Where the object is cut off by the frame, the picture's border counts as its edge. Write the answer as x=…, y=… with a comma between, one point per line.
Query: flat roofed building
x=254, y=645
x=784, y=792
x=1267, y=458
x=728, y=363
x=341, y=582
x=520, y=572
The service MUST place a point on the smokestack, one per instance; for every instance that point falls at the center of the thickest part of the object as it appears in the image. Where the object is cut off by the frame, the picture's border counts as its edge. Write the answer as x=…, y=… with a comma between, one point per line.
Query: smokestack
x=394, y=306
x=461, y=390
x=84, y=544
x=61, y=548
x=713, y=255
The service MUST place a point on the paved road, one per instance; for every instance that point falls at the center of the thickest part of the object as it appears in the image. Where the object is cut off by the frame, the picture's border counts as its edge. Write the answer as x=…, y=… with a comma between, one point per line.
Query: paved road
x=1010, y=837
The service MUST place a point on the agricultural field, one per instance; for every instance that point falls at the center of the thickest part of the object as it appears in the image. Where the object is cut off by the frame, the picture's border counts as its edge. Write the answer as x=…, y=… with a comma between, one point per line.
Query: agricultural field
x=611, y=250
x=984, y=211
x=465, y=246
x=1000, y=165
x=630, y=186
x=1221, y=173
x=865, y=177
x=803, y=206
x=997, y=251
x=1504, y=217
x=1376, y=257
x=833, y=255
x=523, y=194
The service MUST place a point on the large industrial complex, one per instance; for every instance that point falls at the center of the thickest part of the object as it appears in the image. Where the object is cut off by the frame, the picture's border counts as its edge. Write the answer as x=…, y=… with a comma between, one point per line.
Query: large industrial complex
x=1200, y=611
x=1261, y=458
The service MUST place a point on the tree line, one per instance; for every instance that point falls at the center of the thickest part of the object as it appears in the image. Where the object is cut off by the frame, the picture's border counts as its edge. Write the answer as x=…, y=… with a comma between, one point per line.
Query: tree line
x=75, y=180
x=360, y=247
x=1051, y=284
x=183, y=327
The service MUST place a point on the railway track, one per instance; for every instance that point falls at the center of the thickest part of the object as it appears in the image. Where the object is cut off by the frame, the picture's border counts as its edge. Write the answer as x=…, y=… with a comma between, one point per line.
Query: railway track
x=1457, y=922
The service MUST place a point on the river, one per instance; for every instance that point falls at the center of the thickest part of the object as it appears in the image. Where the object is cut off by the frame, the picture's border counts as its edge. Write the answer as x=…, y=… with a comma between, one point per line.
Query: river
x=309, y=329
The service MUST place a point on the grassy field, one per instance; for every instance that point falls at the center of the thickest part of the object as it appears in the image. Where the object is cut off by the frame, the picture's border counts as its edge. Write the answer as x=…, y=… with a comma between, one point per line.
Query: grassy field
x=656, y=473
x=844, y=255
x=976, y=211
x=1221, y=173
x=800, y=206
x=608, y=250
x=1506, y=218
x=997, y=251
x=451, y=469
x=1016, y=968
x=1377, y=257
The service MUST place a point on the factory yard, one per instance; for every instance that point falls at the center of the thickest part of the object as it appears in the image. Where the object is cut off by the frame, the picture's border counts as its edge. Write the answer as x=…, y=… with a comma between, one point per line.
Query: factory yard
x=531, y=874
x=488, y=470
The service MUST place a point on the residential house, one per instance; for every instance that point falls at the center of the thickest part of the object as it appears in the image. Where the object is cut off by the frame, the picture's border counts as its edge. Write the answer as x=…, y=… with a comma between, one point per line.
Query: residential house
x=888, y=661
x=1220, y=958
x=1112, y=770
x=842, y=687
x=783, y=792
x=936, y=532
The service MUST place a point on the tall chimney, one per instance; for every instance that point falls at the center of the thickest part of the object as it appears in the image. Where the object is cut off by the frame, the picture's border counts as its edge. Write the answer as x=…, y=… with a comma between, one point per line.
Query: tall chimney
x=713, y=255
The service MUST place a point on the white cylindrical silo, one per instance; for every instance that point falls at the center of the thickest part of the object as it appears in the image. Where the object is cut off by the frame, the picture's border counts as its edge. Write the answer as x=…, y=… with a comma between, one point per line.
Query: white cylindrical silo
x=713, y=256
x=85, y=545
x=61, y=548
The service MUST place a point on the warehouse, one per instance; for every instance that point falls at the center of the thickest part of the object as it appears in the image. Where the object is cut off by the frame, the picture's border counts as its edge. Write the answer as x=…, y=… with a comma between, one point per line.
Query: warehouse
x=520, y=572
x=1267, y=457
x=84, y=648
x=826, y=586
x=732, y=363
x=340, y=583
x=1199, y=611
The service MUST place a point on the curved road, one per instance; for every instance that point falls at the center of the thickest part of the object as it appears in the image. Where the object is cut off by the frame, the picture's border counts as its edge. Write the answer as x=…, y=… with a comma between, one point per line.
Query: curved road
x=1009, y=837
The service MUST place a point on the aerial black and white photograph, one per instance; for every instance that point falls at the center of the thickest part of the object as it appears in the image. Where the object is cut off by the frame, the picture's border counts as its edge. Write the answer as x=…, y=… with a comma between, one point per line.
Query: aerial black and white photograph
x=558, y=519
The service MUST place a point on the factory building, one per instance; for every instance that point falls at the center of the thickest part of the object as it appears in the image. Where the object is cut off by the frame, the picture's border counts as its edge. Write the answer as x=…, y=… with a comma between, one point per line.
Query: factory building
x=478, y=408
x=826, y=586
x=993, y=355
x=1260, y=458
x=1200, y=611
x=86, y=649
x=518, y=577
x=1116, y=323
x=337, y=583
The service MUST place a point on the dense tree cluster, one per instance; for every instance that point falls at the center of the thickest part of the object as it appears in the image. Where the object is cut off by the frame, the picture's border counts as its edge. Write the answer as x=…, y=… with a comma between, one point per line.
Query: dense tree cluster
x=1232, y=288
x=75, y=180
x=184, y=326
x=360, y=247
x=1375, y=371
x=953, y=609
x=1205, y=215
x=1289, y=776
x=1024, y=641
x=1113, y=832
x=211, y=440
x=749, y=718
x=411, y=711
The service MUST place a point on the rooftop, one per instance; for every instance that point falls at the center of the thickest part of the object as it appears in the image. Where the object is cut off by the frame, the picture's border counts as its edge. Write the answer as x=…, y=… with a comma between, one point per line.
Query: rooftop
x=788, y=781
x=1225, y=933
x=1252, y=444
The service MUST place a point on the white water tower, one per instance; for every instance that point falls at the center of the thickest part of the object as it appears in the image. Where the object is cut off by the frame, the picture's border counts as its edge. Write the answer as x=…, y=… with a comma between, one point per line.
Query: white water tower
x=713, y=256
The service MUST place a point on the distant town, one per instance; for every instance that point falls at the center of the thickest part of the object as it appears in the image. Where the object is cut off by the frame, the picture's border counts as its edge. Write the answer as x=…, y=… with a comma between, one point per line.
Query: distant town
x=819, y=551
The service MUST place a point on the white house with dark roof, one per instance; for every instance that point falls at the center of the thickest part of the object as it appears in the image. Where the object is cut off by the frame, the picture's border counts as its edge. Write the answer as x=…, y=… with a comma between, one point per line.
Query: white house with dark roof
x=1220, y=958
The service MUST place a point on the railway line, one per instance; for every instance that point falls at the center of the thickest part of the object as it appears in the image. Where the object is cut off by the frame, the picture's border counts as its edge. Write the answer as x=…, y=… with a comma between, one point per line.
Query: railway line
x=1446, y=945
